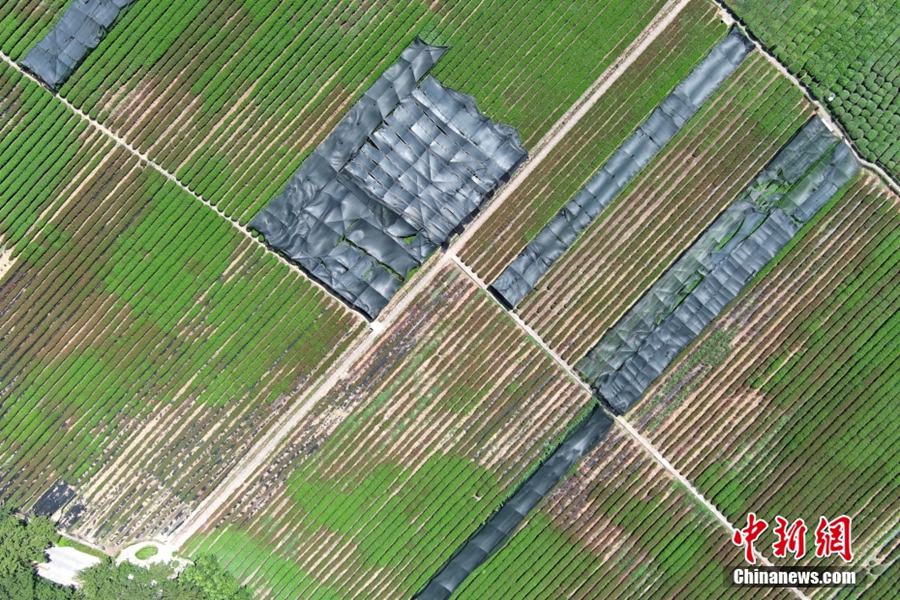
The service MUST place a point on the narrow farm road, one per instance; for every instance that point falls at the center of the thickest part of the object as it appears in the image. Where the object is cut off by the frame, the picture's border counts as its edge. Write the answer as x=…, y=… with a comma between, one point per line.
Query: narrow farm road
x=256, y=457
x=660, y=22
x=654, y=453
x=265, y=447
x=6, y=259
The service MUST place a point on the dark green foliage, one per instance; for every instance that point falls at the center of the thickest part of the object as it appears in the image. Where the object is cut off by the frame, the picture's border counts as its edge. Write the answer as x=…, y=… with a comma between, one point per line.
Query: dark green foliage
x=21, y=545
x=214, y=582
x=843, y=52
x=107, y=581
x=205, y=580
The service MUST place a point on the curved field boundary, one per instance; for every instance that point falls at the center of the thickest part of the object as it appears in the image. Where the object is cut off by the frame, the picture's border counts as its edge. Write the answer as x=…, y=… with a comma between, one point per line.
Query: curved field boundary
x=845, y=57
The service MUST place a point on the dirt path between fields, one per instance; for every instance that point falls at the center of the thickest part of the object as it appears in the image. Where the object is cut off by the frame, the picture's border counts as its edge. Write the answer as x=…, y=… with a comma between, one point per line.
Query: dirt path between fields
x=266, y=447
x=575, y=113
x=6, y=261
x=622, y=422
x=730, y=17
x=171, y=177
x=257, y=456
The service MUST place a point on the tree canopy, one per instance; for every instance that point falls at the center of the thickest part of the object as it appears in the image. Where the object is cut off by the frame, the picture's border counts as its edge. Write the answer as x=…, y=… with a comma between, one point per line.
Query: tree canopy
x=23, y=543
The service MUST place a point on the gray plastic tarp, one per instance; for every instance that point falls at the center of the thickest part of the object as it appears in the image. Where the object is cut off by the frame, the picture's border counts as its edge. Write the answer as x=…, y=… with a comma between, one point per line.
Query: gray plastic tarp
x=78, y=31
x=523, y=273
x=408, y=165
x=795, y=184
x=56, y=497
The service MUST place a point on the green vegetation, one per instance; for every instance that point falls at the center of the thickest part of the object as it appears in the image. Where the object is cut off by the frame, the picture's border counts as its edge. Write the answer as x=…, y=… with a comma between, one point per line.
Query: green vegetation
x=845, y=53
x=129, y=299
x=618, y=526
x=698, y=360
x=207, y=576
x=204, y=580
x=22, y=545
x=445, y=420
x=146, y=343
x=280, y=570
x=329, y=509
x=22, y=24
x=655, y=73
x=66, y=542
x=808, y=389
x=231, y=96
x=665, y=207
x=844, y=360
x=146, y=552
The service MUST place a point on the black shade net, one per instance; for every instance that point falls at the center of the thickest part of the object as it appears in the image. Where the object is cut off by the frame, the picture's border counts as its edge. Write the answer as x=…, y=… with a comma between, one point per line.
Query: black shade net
x=792, y=188
x=405, y=169
x=77, y=32
x=666, y=120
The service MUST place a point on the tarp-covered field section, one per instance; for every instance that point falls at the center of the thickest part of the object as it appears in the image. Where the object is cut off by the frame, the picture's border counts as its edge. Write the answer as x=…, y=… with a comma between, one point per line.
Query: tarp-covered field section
x=496, y=530
x=77, y=31
x=415, y=448
x=635, y=153
x=618, y=527
x=135, y=321
x=409, y=164
x=26, y=22
x=787, y=404
x=846, y=54
x=588, y=145
x=792, y=188
x=232, y=95
x=659, y=215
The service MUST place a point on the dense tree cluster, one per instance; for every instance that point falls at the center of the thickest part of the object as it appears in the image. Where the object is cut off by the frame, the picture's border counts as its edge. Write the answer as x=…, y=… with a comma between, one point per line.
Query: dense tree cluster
x=844, y=52
x=22, y=545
